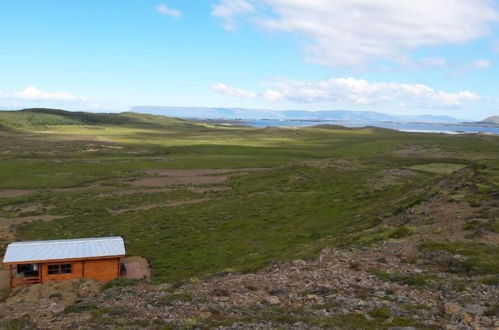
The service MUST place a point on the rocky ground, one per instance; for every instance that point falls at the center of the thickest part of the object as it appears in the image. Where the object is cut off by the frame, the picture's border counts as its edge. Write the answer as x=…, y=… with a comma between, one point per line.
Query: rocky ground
x=391, y=282
x=340, y=289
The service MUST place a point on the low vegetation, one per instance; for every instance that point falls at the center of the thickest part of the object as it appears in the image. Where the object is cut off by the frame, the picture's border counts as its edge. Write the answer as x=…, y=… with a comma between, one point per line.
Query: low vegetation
x=306, y=189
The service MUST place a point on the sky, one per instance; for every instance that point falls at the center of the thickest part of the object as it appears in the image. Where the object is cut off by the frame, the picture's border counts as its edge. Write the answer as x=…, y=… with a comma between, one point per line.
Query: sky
x=402, y=57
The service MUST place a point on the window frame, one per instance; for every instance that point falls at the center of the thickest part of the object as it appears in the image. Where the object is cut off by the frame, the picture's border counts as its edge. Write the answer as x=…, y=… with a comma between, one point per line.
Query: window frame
x=59, y=269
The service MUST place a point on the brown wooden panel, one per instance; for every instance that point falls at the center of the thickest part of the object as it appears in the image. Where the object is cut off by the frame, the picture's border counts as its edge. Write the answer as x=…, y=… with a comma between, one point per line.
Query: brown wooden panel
x=103, y=270
x=77, y=272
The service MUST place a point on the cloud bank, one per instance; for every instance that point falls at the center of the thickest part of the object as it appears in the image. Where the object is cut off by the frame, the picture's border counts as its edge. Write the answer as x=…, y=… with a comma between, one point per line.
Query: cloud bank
x=355, y=32
x=35, y=94
x=351, y=91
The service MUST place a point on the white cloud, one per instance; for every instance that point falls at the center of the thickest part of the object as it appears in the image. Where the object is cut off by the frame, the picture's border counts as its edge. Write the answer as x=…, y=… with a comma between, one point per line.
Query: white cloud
x=229, y=10
x=33, y=93
x=354, y=32
x=351, y=91
x=480, y=64
x=433, y=62
x=232, y=91
x=165, y=10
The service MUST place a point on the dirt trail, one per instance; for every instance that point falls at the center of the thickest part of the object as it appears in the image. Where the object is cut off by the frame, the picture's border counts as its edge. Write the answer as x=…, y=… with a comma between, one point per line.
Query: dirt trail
x=157, y=205
x=169, y=177
x=7, y=193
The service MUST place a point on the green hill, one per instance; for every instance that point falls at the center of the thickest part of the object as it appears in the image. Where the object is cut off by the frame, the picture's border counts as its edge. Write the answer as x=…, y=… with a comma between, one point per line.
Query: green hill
x=39, y=118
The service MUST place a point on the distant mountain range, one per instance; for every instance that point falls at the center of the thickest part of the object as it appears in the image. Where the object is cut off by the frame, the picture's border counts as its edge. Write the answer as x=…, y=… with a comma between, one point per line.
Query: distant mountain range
x=494, y=120
x=254, y=114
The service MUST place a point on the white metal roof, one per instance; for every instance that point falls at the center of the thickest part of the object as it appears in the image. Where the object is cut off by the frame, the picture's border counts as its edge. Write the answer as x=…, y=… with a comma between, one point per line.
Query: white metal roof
x=64, y=249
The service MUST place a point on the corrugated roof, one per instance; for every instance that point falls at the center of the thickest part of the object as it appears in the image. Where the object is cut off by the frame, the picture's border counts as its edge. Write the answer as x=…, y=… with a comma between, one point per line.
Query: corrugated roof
x=64, y=249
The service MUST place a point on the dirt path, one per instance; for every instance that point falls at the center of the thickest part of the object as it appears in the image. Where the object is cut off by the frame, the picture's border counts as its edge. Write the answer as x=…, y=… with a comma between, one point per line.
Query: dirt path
x=172, y=177
x=157, y=205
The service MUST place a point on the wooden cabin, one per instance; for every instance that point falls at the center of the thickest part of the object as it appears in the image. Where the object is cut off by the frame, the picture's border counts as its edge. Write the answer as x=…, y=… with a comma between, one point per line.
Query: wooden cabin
x=59, y=260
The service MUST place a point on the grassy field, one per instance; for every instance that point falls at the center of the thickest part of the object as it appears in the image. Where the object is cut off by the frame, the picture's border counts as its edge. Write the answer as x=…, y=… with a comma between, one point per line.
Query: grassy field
x=286, y=194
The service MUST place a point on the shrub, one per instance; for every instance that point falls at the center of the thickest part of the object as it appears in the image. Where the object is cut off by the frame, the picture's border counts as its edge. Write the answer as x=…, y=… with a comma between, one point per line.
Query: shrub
x=80, y=307
x=472, y=258
x=400, y=232
x=119, y=282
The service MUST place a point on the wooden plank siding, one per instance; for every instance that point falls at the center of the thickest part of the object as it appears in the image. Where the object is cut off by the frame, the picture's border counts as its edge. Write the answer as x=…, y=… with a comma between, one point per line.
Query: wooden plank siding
x=103, y=270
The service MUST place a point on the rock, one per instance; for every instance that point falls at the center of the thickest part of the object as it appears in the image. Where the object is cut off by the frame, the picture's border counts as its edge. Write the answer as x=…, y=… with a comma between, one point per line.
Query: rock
x=205, y=315
x=402, y=328
x=299, y=326
x=64, y=292
x=272, y=300
x=299, y=262
x=163, y=286
x=137, y=268
x=56, y=308
x=474, y=309
x=467, y=318
x=451, y=308
x=461, y=318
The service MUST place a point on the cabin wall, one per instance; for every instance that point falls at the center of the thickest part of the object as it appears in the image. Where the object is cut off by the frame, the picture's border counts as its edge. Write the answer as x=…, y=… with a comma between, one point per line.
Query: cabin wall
x=103, y=270
x=77, y=272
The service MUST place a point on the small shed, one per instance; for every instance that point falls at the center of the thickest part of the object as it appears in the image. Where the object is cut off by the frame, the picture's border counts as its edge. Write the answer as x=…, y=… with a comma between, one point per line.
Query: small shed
x=58, y=260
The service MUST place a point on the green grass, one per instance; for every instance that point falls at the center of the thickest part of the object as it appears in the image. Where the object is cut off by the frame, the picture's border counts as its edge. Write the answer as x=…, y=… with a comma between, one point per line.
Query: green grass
x=16, y=324
x=281, y=317
x=80, y=307
x=119, y=282
x=479, y=258
x=416, y=280
x=438, y=168
x=287, y=211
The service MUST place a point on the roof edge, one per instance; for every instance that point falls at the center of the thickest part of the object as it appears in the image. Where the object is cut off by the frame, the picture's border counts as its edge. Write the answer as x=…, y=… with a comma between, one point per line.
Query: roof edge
x=62, y=260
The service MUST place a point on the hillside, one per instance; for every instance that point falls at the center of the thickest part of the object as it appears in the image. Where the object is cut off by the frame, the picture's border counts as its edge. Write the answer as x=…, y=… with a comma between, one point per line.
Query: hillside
x=29, y=119
x=321, y=227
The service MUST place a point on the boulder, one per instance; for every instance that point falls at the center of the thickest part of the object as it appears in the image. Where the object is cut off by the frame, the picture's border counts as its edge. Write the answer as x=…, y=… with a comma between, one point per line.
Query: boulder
x=451, y=308
x=137, y=268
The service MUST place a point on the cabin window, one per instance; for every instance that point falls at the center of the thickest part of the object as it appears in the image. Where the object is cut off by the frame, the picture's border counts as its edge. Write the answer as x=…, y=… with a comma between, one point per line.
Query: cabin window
x=65, y=268
x=60, y=269
x=53, y=269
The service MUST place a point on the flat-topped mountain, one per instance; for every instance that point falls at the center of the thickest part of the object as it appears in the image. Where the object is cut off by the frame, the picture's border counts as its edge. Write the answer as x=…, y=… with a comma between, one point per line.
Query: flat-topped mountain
x=492, y=119
x=240, y=113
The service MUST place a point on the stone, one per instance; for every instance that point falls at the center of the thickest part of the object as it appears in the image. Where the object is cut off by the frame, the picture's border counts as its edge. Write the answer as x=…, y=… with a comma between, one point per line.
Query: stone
x=299, y=326
x=272, y=300
x=299, y=262
x=163, y=286
x=461, y=317
x=205, y=315
x=56, y=308
x=474, y=309
x=467, y=318
x=451, y=308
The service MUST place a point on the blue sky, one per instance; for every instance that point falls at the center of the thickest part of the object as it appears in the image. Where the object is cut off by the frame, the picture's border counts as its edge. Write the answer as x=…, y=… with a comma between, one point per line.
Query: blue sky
x=393, y=56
